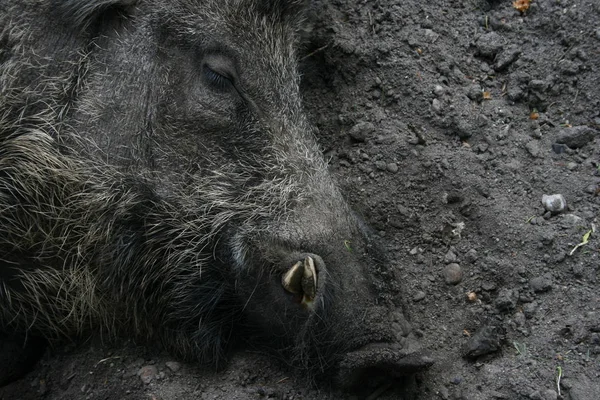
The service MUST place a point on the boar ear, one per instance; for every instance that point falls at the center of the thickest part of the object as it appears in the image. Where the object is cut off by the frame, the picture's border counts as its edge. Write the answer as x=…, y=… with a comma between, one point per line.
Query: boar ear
x=83, y=12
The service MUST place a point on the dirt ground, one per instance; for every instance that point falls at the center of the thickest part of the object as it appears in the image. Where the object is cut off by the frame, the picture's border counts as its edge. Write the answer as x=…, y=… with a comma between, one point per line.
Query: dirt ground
x=446, y=122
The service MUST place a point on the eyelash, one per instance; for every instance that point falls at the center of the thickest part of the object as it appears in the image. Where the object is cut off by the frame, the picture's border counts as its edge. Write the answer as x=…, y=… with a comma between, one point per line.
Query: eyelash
x=215, y=79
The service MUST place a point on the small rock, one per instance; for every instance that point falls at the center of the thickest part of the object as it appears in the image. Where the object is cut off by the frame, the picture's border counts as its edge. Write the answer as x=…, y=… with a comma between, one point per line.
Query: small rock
x=541, y=284
x=547, y=238
x=436, y=106
x=533, y=148
x=506, y=300
x=475, y=93
x=360, y=131
x=570, y=220
x=486, y=340
x=453, y=274
x=471, y=256
x=174, y=366
x=147, y=373
x=554, y=203
x=591, y=189
x=576, y=136
x=507, y=57
x=450, y=257
x=489, y=44
x=572, y=166
x=392, y=167
x=420, y=295
x=438, y=90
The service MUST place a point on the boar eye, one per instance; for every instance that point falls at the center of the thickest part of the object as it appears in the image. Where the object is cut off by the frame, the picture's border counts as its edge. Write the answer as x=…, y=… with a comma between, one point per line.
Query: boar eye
x=216, y=79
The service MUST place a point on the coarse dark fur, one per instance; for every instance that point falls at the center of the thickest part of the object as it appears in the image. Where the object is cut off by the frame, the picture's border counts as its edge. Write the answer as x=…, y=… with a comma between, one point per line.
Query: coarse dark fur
x=158, y=176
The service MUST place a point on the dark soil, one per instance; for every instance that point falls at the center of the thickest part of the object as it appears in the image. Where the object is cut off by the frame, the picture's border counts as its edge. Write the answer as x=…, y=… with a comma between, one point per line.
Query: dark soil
x=446, y=122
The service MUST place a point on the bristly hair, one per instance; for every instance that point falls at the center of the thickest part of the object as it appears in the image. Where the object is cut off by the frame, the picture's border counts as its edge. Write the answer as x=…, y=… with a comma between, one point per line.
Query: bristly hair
x=286, y=10
x=82, y=12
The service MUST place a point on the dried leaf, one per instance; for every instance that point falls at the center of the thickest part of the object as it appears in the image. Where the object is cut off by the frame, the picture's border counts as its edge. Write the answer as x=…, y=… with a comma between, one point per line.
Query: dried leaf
x=487, y=95
x=584, y=241
x=521, y=5
x=534, y=115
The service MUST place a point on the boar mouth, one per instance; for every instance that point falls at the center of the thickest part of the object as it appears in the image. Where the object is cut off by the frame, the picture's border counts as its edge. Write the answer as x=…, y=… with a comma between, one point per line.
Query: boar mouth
x=380, y=360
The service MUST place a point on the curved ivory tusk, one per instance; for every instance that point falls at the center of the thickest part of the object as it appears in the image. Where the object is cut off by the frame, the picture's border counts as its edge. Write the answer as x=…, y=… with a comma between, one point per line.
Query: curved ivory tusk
x=309, y=279
x=292, y=279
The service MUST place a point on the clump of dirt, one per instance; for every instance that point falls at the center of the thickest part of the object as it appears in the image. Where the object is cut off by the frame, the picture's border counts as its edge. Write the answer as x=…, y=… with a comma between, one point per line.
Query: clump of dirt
x=446, y=122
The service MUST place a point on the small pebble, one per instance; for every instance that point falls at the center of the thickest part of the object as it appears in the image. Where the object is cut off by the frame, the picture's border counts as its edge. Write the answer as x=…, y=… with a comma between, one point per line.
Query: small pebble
x=471, y=255
x=569, y=220
x=450, y=257
x=554, y=203
x=147, y=373
x=380, y=165
x=392, y=167
x=453, y=274
x=577, y=136
x=507, y=57
x=486, y=340
x=541, y=284
x=533, y=148
x=591, y=189
x=173, y=365
x=506, y=300
x=420, y=295
x=360, y=131
x=489, y=44
x=436, y=106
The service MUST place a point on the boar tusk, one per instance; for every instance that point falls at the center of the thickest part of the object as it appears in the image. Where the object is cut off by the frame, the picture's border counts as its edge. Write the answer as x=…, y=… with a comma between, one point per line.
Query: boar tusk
x=309, y=279
x=292, y=280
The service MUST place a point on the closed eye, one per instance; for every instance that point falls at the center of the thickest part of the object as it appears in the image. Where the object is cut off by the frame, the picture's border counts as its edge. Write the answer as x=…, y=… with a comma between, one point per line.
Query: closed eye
x=215, y=79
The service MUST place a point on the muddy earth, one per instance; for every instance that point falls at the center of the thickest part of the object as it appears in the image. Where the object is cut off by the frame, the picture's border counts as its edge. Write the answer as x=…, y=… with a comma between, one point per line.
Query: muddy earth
x=446, y=123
